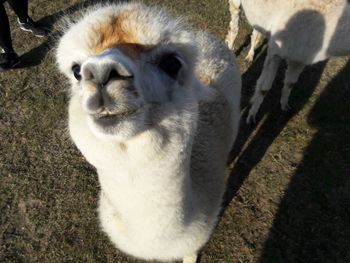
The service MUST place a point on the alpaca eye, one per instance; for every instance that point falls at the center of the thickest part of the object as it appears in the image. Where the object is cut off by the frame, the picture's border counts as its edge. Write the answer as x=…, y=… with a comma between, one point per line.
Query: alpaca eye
x=170, y=65
x=76, y=71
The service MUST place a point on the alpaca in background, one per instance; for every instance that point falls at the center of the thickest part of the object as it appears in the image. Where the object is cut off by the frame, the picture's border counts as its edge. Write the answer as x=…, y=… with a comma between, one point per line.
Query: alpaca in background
x=301, y=32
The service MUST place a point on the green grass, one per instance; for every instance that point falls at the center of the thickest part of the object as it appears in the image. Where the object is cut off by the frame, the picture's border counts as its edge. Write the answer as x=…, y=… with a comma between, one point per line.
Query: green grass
x=289, y=190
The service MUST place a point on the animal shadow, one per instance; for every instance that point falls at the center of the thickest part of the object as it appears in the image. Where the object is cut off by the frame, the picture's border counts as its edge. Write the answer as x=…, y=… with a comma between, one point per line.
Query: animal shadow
x=270, y=122
x=253, y=142
x=312, y=222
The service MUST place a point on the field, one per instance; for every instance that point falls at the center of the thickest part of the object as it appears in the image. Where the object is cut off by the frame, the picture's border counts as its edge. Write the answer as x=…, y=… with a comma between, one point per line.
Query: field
x=288, y=197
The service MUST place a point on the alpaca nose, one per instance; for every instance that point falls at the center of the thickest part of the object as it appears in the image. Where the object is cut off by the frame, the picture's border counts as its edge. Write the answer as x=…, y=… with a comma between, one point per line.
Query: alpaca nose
x=102, y=69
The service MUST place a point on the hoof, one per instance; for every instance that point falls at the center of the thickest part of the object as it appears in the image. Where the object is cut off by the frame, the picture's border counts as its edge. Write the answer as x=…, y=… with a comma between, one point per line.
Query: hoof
x=249, y=59
x=285, y=107
x=251, y=119
x=230, y=45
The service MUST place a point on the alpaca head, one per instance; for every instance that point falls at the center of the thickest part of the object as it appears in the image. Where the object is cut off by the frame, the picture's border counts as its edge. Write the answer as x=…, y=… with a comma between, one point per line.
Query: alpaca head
x=129, y=66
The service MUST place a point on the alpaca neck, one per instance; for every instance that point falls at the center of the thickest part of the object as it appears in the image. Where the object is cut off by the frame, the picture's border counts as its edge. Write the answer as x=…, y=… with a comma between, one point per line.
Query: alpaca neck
x=152, y=170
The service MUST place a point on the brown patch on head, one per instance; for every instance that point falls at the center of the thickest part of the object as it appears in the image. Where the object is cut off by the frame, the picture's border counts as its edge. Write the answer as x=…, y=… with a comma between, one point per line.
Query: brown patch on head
x=117, y=32
x=132, y=50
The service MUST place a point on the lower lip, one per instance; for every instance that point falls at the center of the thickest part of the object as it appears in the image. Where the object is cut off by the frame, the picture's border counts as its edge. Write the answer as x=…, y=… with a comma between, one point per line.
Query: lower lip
x=105, y=120
x=111, y=119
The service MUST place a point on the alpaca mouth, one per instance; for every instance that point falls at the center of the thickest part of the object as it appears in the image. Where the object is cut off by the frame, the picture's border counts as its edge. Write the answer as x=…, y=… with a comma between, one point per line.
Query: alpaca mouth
x=107, y=117
x=108, y=114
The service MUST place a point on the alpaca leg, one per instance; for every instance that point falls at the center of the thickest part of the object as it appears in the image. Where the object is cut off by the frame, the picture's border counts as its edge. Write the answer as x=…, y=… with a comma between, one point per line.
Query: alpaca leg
x=264, y=84
x=191, y=259
x=255, y=39
x=293, y=72
x=233, y=30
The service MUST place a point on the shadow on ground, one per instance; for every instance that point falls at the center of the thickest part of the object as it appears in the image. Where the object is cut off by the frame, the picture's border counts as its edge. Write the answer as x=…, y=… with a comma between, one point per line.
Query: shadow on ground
x=271, y=120
x=312, y=223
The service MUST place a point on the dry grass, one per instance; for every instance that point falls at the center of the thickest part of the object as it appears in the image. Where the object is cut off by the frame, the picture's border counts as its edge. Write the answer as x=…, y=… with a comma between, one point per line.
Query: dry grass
x=289, y=193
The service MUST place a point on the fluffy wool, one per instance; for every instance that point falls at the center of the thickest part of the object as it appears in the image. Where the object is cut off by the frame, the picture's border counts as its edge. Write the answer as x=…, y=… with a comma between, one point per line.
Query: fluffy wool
x=155, y=108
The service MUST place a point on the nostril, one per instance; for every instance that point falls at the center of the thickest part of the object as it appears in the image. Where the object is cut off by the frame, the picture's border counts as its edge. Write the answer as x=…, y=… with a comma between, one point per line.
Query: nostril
x=113, y=74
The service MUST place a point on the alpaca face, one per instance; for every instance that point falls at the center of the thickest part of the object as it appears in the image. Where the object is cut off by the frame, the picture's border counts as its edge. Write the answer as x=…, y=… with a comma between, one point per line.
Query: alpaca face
x=129, y=67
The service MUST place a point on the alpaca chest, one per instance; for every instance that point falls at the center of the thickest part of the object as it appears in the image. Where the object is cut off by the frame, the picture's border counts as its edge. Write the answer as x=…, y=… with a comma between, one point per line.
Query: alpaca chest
x=151, y=218
x=150, y=194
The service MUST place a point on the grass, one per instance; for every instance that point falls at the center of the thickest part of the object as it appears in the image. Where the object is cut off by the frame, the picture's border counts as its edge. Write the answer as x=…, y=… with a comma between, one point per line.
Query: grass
x=289, y=192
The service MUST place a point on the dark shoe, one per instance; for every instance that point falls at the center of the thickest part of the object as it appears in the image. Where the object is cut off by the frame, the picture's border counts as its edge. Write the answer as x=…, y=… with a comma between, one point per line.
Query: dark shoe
x=8, y=60
x=31, y=26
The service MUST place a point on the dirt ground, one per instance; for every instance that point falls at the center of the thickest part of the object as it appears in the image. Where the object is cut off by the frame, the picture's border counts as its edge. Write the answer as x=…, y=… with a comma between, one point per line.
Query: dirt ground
x=288, y=196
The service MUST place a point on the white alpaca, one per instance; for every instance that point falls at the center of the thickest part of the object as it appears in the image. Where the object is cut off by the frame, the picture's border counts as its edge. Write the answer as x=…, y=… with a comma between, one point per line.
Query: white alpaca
x=302, y=32
x=155, y=109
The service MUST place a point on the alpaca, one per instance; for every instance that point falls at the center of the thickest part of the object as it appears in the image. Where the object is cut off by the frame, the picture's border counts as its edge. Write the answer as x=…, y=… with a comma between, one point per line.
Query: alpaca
x=302, y=32
x=155, y=109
